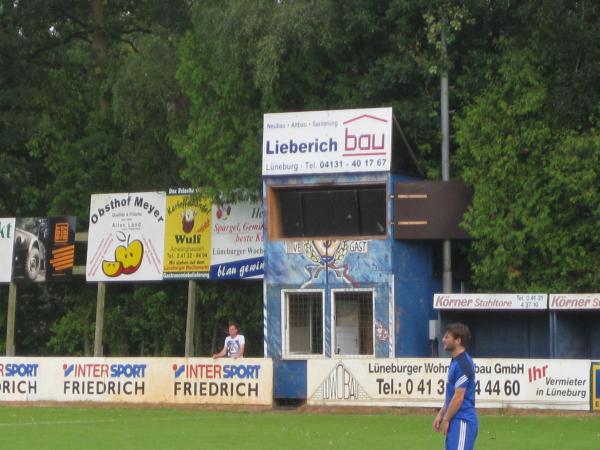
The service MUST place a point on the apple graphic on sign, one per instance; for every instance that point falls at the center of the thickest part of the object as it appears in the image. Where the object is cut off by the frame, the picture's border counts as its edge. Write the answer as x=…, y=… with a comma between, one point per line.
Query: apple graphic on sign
x=112, y=268
x=130, y=256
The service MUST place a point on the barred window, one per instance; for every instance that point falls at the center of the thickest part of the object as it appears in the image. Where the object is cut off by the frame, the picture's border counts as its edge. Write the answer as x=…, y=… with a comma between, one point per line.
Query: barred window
x=353, y=322
x=304, y=322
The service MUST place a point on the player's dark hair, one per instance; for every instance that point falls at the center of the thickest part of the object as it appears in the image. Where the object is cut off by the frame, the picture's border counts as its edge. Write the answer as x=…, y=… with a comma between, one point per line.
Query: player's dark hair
x=233, y=324
x=459, y=331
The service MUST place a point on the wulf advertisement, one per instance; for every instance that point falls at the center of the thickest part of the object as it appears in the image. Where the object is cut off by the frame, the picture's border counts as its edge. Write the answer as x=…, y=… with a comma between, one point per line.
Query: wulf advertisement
x=187, y=235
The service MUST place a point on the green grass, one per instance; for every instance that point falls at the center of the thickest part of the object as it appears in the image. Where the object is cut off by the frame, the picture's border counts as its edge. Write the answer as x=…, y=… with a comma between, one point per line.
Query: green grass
x=70, y=428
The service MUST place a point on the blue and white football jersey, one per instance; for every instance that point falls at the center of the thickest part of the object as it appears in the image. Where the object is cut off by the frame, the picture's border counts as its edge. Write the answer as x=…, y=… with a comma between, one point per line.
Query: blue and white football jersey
x=461, y=374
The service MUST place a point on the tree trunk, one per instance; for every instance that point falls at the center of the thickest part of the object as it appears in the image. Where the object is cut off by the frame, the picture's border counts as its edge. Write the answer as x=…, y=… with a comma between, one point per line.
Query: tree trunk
x=198, y=337
x=213, y=340
x=100, y=48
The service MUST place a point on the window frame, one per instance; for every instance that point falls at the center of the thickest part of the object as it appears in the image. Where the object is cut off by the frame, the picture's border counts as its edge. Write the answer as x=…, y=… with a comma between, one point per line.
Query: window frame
x=285, y=329
x=333, y=322
x=275, y=221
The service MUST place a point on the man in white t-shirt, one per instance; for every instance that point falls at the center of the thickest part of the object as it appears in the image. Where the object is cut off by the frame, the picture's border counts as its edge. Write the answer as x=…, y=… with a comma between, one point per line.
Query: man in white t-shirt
x=234, y=344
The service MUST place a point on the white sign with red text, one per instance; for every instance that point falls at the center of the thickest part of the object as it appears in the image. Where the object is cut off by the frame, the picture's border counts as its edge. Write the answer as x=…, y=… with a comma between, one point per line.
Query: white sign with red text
x=351, y=140
x=421, y=382
x=490, y=301
x=574, y=301
x=7, y=236
x=237, y=250
x=137, y=380
x=126, y=237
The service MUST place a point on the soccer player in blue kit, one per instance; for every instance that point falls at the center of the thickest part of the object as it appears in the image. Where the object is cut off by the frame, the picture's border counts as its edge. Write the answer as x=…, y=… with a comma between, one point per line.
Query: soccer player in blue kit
x=457, y=419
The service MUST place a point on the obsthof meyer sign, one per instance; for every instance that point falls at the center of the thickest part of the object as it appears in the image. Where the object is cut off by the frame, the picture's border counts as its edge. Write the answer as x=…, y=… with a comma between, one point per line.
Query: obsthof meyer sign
x=353, y=140
x=126, y=237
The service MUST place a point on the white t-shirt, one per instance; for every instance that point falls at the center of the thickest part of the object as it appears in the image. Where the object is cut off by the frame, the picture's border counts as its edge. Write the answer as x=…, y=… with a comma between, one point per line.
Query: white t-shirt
x=234, y=345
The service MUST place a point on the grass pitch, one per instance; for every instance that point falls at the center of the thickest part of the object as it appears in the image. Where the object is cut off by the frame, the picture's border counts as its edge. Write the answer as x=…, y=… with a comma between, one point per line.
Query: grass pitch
x=70, y=428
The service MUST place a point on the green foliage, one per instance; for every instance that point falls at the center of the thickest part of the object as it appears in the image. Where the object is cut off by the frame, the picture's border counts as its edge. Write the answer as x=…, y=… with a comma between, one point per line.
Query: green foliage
x=242, y=59
x=222, y=304
x=175, y=91
x=145, y=320
x=536, y=201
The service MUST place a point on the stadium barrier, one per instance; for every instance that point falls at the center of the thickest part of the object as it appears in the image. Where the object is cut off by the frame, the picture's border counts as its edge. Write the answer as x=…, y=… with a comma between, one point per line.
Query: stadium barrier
x=421, y=382
x=595, y=375
x=247, y=381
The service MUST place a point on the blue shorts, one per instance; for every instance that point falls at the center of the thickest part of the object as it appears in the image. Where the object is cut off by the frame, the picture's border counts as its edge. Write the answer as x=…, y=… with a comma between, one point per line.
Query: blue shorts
x=461, y=435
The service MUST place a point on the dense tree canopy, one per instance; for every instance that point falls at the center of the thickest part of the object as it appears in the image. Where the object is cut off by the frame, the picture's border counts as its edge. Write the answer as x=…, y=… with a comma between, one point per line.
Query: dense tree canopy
x=99, y=96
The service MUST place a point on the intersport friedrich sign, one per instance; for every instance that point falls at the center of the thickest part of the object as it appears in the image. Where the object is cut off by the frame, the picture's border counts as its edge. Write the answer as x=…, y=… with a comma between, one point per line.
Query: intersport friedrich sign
x=352, y=140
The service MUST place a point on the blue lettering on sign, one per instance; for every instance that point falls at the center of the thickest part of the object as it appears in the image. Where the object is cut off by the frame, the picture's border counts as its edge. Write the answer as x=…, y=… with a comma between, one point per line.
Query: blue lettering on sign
x=241, y=371
x=236, y=270
x=127, y=370
x=19, y=370
x=293, y=147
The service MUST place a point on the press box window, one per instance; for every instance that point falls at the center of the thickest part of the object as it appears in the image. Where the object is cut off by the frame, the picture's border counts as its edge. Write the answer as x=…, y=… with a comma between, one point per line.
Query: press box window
x=304, y=323
x=353, y=322
x=321, y=212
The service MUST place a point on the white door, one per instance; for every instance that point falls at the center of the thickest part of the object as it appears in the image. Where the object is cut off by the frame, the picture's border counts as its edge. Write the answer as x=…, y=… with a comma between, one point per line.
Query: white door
x=346, y=328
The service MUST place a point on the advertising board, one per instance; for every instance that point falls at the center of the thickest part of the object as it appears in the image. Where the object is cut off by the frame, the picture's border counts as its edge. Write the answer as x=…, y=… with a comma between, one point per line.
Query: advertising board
x=245, y=381
x=491, y=301
x=126, y=237
x=352, y=140
x=237, y=241
x=595, y=375
x=7, y=237
x=501, y=383
x=187, y=235
x=575, y=301
x=44, y=249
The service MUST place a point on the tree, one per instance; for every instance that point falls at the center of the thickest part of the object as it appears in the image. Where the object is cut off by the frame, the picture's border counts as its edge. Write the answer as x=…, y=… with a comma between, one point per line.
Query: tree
x=243, y=59
x=86, y=105
x=535, y=174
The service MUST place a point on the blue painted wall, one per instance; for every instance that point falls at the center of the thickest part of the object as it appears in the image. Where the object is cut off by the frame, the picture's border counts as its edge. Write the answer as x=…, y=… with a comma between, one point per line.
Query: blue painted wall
x=399, y=272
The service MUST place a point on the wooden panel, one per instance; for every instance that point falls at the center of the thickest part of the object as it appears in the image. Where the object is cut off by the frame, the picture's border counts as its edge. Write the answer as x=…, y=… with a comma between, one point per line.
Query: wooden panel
x=430, y=209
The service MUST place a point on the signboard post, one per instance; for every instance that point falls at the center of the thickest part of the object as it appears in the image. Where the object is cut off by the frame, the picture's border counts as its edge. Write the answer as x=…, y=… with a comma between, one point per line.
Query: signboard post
x=100, y=297
x=191, y=319
x=10, y=320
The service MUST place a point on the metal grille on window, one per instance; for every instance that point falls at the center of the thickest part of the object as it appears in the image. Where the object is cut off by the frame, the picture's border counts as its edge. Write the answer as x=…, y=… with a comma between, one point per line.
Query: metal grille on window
x=305, y=322
x=353, y=323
